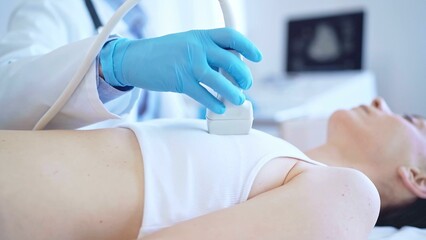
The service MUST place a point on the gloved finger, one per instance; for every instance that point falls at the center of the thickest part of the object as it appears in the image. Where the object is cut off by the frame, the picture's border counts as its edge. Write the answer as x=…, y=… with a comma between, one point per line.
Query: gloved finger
x=205, y=74
x=201, y=95
x=219, y=84
x=229, y=38
x=231, y=64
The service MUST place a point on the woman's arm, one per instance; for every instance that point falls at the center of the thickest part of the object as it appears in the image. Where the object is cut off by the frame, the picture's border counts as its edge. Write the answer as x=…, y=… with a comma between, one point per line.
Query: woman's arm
x=89, y=185
x=318, y=203
x=70, y=185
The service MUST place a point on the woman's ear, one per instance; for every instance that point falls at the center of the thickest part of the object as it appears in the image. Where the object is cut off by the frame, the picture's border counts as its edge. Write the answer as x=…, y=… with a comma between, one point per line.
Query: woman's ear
x=414, y=179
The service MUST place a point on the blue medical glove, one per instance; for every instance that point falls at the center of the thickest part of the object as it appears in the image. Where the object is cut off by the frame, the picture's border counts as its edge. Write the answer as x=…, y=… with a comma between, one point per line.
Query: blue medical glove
x=180, y=62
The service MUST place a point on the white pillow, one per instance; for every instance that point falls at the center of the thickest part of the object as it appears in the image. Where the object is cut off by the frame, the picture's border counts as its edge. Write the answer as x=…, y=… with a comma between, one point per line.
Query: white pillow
x=391, y=233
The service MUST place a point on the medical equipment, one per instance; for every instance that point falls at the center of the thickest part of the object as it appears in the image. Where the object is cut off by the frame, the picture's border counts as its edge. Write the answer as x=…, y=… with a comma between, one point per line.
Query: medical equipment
x=93, y=14
x=236, y=120
x=217, y=124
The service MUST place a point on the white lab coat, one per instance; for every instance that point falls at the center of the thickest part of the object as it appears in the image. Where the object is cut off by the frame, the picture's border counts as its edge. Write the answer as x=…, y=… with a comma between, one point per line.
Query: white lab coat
x=37, y=61
x=46, y=41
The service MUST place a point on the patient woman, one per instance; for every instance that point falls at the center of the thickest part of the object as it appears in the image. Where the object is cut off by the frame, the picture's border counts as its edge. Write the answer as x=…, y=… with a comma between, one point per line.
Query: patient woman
x=172, y=180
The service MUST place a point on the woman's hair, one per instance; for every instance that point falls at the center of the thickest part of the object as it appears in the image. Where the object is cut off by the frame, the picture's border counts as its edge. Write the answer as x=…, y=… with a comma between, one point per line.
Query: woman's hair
x=413, y=214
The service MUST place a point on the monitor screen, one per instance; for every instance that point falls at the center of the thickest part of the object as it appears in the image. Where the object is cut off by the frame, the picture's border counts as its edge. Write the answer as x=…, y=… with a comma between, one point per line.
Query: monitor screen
x=325, y=43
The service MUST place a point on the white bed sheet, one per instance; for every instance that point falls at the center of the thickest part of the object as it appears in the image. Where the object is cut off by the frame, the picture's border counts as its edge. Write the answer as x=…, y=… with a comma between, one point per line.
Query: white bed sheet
x=405, y=233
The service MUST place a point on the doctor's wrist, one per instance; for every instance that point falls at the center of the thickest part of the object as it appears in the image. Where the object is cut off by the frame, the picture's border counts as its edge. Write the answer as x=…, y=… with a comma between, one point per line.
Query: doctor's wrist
x=102, y=77
x=111, y=56
x=100, y=73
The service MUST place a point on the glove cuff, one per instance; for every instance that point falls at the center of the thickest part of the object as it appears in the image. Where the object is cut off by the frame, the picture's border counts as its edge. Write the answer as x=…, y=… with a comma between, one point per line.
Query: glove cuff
x=111, y=58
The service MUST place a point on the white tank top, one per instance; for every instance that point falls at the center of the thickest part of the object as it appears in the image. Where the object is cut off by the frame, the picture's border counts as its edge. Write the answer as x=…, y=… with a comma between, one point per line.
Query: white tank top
x=189, y=172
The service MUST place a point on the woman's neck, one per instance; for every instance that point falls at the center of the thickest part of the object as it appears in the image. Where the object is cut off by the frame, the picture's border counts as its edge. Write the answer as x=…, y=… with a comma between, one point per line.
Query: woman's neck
x=330, y=155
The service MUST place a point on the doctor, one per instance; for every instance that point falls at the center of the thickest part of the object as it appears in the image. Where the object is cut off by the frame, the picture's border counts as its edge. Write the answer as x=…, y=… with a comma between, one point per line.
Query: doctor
x=47, y=40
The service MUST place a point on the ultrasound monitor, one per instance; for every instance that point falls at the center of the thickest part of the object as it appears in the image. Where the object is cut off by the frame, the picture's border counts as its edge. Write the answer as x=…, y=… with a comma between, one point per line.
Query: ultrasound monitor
x=325, y=43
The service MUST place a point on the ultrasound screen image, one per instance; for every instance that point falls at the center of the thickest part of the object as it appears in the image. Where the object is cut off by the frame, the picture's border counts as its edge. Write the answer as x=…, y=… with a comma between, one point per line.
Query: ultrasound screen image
x=325, y=43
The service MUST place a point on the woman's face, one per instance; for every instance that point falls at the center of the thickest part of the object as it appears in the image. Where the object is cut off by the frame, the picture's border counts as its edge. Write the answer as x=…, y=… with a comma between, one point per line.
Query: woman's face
x=380, y=139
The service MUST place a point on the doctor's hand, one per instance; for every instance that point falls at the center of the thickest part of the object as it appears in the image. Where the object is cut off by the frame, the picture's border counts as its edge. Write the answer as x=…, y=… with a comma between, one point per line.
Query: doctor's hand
x=180, y=62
